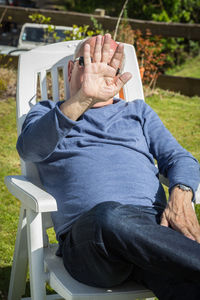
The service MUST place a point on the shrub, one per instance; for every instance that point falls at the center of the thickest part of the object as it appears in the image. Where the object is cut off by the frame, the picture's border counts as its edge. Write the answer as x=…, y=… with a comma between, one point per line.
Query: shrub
x=149, y=51
x=3, y=85
x=8, y=79
x=77, y=33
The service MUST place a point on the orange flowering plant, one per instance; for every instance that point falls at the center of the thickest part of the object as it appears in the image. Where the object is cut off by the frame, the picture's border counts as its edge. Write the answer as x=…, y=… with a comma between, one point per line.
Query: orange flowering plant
x=149, y=52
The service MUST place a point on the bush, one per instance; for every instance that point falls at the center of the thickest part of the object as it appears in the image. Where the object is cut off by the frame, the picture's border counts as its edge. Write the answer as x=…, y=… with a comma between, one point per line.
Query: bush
x=3, y=86
x=149, y=51
x=177, y=50
x=8, y=79
x=77, y=33
x=186, y=11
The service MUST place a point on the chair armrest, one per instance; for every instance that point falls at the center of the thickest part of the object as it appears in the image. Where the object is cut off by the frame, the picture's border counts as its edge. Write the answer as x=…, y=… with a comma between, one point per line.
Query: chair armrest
x=164, y=180
x=197, y=195
x=30, y=195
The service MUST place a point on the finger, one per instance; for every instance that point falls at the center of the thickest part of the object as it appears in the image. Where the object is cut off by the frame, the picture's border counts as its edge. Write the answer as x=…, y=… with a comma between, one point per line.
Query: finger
x=196, y=237
x=86, y=54
x=185, y=232
x=164, y=221
x=97, y=49
x=117, y=58
x=182, y=228
x=106, y=48
x=195, y=231
x=123, y=79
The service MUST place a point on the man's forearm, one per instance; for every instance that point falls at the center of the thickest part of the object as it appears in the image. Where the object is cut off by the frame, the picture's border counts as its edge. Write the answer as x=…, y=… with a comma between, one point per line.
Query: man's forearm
x=76, y=105
x=178, y=196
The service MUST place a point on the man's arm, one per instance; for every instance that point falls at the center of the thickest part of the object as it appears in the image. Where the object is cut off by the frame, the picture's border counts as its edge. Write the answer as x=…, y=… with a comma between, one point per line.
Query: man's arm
x=43, y=129
x=181, y=168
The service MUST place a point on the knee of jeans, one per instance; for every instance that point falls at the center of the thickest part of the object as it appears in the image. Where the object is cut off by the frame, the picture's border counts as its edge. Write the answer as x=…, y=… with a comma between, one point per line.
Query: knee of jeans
x=106, y=215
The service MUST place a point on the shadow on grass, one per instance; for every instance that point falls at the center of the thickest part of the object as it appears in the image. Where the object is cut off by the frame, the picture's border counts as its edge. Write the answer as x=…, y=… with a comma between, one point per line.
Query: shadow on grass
x=4, y=283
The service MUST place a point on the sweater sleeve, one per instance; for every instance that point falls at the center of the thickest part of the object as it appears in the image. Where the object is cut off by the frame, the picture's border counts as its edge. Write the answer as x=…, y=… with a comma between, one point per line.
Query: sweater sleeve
x=173, y=160
x=43, y=129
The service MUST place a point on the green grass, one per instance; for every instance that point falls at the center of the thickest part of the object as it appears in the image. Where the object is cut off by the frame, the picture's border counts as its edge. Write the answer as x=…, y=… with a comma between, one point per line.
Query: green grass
x=191, y=68
x=9, y=206
x=180, y=114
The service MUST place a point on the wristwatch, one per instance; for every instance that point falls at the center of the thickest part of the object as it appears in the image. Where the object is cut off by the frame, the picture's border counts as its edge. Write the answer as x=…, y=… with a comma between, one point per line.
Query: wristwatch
x=184, y=187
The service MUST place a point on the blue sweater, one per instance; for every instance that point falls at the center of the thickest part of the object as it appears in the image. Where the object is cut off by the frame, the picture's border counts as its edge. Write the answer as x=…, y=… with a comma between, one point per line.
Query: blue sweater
x=106, y=155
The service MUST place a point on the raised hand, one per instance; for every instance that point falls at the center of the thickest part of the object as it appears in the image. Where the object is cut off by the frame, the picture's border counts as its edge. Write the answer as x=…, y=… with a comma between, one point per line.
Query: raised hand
x=99, y=78
x=95, y=83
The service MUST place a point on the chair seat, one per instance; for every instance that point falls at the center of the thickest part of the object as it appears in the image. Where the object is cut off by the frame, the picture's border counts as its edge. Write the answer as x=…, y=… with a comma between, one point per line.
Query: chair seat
x=69, y=288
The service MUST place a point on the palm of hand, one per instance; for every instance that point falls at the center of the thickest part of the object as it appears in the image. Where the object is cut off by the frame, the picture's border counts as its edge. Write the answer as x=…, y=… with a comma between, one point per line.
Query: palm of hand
x=99, y=78
x=99, y=81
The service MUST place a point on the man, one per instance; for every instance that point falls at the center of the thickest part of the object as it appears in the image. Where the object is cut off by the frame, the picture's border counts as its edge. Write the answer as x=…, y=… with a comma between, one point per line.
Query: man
x=95, y=155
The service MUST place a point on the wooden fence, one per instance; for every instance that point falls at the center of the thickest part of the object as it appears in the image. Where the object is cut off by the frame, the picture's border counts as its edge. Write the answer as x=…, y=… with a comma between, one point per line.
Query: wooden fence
x=20, y=15
x=185, y=85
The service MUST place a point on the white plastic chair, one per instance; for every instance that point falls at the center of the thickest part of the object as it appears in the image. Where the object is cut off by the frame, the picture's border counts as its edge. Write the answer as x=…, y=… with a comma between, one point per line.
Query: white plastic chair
x=32, y=247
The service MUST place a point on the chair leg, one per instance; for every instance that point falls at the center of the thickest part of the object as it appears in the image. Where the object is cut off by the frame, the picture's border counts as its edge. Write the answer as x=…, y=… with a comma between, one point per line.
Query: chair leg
x=36, y=256
x=20, y=260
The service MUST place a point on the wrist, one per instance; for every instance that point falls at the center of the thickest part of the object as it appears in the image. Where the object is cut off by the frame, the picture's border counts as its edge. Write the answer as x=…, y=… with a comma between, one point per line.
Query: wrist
x=182, y=192
x=184, y=187
x=74, y=107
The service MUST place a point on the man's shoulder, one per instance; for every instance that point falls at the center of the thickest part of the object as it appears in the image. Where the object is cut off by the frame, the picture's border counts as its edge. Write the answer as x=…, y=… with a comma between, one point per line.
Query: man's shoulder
x=44, y=105
x=135, y=106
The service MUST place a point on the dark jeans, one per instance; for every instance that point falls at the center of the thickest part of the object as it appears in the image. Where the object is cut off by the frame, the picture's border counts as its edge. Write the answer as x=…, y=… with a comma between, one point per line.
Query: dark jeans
x=112, y=242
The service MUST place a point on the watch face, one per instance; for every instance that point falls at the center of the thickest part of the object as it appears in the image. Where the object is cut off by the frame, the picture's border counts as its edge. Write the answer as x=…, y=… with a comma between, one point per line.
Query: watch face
x=184, y=188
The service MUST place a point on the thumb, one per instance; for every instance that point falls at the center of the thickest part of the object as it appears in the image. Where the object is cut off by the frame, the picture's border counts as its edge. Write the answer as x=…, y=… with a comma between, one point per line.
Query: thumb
x=123, y=79
x=164, y=221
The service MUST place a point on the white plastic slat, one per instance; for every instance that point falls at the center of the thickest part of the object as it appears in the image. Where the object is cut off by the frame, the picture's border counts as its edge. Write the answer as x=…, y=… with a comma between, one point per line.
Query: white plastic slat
x=197, y=195
x=43, y=85
x=55, y=83
x=133, y=88
x=65, y=79
x=36, y=255
x=20, y=260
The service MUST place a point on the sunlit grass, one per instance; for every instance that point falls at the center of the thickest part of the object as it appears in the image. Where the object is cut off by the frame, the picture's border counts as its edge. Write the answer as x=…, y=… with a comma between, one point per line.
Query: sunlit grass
x=191, y=68
x=181, y=115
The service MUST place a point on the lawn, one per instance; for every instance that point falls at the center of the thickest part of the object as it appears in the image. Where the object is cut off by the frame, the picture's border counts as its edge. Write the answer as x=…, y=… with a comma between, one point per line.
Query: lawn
x=180, y=114
x=191, y=68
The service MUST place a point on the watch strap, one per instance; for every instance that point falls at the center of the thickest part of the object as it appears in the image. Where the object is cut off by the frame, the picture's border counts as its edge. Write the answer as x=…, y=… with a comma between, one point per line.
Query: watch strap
x=184, y=187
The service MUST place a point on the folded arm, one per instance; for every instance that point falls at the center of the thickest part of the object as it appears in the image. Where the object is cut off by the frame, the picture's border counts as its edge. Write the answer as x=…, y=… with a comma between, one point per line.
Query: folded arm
x=180, y=167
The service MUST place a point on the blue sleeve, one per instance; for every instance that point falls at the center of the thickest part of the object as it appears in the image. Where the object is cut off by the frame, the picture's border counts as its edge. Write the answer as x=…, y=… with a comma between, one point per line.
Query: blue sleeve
x=173, y=160
x=43, y=129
